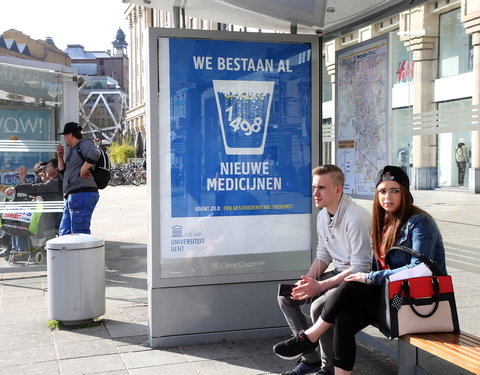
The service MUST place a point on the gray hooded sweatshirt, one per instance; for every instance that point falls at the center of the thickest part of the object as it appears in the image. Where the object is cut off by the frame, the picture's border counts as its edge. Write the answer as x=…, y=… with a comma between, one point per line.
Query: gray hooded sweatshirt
x=85, y=150
x=345, y=239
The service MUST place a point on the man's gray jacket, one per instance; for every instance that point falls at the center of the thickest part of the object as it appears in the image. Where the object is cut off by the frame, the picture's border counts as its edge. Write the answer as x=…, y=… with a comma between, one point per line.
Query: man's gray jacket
x=85, y=150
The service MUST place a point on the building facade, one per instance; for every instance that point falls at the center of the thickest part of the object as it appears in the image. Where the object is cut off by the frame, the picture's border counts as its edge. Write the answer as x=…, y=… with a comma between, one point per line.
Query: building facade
x=433, y=95
x=434, y=92
x=16, y=44
x=139, y=19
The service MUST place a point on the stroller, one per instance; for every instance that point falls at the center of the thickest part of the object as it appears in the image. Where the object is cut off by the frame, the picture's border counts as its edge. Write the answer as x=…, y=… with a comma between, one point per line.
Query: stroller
x=28, y=229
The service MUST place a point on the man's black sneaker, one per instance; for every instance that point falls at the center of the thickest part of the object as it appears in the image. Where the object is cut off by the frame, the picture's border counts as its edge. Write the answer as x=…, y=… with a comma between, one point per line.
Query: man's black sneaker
x=324, y=372
x=295, y=347
x=303, y=367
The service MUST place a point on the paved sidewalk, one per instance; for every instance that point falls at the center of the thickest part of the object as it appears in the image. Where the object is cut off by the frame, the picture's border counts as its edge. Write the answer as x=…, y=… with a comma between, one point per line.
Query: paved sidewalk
x=119, y=346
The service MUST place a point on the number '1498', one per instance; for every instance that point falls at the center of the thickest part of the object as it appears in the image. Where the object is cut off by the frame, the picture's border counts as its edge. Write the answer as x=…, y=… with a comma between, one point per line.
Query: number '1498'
x=242, y=124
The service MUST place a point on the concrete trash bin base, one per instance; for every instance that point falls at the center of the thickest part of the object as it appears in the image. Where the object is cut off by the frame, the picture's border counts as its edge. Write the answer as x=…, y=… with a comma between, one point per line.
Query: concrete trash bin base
x=75, y=278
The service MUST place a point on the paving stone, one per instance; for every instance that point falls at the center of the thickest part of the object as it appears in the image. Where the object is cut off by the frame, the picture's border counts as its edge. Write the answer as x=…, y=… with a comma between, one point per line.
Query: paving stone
x=26, y=341
x=86, y=349
x=377, y=367
x=118, y=328
x=13, y=357
x=177, y=369
x=152, y=358
x=41, y=368
x=22, y=292
x=132, y=344
x=22, y=328
x=117, y=291
x=258, y=346
x=25, y=318
x=16, y=306
x=91, y=365
x=202, y=352
x=65, y=336
x=271, y=363
x=230, y=366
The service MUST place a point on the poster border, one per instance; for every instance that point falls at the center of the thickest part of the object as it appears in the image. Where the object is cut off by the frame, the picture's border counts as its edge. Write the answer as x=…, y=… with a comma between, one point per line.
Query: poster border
x=153, y=89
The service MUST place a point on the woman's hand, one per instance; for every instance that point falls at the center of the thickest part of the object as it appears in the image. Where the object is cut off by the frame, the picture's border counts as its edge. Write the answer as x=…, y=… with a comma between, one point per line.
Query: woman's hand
x=358, y=277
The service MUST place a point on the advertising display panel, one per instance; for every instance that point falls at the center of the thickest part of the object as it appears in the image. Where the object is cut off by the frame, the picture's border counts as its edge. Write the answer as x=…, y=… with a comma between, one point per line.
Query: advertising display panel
x=235, y=155
x=23, y=125
x=362, y=114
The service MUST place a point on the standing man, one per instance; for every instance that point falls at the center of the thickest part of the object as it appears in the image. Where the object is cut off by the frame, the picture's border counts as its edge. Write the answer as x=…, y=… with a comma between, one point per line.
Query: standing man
x=79, y=187
x=462, y=158
x=344, y=232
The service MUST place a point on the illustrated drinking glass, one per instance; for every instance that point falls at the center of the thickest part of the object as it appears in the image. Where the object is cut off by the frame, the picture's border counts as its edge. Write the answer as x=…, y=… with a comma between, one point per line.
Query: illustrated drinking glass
x=243, y=111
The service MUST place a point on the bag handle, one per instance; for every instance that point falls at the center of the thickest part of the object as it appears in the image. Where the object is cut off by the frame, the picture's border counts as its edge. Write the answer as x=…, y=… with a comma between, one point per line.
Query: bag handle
x=430, y=263
x=436, y=289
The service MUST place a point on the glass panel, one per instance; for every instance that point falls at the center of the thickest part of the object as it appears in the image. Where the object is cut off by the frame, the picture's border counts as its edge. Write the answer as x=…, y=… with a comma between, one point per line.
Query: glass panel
x=434, y=110
x=402, y=69
x=326, y=83
x=401, y=150
x=452, y=167
x=456, y=51
x=30, y=206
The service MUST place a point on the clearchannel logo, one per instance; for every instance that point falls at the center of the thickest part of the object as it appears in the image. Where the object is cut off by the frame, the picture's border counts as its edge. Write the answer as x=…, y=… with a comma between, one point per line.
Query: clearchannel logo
x=236, y=265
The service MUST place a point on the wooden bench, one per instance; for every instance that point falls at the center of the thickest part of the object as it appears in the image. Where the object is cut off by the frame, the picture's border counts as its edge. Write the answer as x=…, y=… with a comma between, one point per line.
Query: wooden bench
x=461, y=349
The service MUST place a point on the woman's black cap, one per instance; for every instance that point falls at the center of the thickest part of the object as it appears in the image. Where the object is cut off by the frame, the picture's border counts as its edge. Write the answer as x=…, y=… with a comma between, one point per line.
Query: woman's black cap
x=392, y=173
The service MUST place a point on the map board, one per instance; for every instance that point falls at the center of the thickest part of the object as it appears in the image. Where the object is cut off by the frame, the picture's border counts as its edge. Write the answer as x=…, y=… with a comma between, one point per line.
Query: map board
x=362, y=97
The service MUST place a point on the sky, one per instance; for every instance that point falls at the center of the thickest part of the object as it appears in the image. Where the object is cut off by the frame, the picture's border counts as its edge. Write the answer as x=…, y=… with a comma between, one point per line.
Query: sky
x=91, y=23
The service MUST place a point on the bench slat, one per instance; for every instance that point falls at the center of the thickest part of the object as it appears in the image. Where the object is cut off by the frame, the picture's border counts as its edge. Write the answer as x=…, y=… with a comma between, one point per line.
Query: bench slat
x=459, y=348
x=470, y=344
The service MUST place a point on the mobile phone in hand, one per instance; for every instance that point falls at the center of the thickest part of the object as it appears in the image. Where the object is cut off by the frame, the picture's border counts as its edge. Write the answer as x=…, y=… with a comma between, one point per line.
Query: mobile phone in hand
x=285, y=290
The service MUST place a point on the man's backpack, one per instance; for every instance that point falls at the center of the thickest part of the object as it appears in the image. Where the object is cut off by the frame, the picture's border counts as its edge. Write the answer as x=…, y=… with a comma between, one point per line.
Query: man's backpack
x=459, y=154
x=101, y=171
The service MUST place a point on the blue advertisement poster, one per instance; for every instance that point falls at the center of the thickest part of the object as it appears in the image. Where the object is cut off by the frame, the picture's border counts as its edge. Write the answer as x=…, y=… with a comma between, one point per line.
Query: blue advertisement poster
x=235, y=154
x=20, y=124
x=240, y=122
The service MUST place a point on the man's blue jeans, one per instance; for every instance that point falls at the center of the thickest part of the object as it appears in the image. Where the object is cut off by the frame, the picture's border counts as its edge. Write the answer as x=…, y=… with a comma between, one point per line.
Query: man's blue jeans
x=77, y=213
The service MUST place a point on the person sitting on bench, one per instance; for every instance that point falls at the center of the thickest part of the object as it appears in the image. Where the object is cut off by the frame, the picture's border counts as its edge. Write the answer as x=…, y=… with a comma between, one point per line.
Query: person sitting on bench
x=356, y=302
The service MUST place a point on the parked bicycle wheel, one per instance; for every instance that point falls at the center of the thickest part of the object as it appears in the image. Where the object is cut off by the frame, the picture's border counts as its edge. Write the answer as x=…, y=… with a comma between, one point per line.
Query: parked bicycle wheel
x=116, y=177
x=135, y=178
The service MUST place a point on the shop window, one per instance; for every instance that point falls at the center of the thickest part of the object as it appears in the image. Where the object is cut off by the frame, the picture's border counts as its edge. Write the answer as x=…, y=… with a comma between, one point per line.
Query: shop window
x=457, y=114
x=456, y=51
x=402, y=139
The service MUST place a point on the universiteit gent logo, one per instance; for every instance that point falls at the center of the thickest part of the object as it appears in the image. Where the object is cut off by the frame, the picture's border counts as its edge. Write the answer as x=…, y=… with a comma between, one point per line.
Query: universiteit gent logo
x=177, y=231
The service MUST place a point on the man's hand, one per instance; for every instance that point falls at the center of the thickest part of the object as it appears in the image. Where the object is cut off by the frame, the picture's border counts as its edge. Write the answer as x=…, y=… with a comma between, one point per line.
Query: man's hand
x=307, y=288
x=359, y=277
x=60, y=151
x=85, y=171
x=10, y=191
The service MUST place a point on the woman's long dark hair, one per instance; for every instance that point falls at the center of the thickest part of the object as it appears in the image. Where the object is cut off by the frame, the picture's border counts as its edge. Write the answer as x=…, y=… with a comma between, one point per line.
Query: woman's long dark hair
x=381, y=241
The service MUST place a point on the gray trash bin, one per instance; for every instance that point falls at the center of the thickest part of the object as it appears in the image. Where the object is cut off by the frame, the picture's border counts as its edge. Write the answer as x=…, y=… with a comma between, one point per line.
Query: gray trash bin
x=76, y=278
